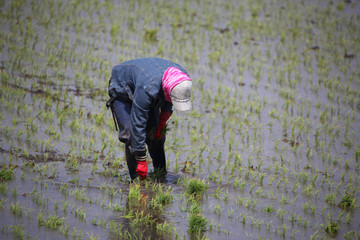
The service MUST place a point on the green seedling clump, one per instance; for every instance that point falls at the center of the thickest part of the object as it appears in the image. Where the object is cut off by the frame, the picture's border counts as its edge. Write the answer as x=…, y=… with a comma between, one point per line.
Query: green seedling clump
x=348, y=201
x=6, y=174
x=269, y=209
x=197, y=223
x=134, y=194
x=332, y=228
x=162, y=197
x=150, y=34
x=52, y=221
x=17, y=231
x=196, y=187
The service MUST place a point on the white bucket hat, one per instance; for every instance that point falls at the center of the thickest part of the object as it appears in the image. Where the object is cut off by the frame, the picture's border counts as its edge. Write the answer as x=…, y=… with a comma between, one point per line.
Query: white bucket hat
x=181, y=96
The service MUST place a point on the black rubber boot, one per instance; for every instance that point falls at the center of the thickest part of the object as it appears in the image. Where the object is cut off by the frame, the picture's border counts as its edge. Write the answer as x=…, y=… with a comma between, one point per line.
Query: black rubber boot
x=131, y=162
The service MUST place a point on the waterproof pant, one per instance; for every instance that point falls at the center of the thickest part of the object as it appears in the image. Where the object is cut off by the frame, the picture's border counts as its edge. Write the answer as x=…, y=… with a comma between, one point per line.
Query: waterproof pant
x=122, y=111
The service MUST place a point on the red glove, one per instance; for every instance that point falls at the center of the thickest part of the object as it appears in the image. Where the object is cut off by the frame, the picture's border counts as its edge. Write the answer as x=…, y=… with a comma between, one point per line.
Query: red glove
x=142, y=169
x=164, y=116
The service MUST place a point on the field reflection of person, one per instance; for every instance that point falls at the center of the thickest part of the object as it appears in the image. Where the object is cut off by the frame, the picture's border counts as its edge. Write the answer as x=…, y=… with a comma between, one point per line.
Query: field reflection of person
x=142, y=93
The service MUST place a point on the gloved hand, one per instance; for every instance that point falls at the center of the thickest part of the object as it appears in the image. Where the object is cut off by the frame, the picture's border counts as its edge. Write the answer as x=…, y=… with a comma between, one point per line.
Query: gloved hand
x=164, y=116
x=141, y=168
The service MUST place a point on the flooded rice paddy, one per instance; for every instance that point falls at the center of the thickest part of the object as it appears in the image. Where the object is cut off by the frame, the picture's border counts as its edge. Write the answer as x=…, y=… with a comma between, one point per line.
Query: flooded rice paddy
x=271, y=149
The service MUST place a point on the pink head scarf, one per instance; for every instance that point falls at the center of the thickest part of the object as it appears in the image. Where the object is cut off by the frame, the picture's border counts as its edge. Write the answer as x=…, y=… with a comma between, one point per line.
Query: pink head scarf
x=172, y=77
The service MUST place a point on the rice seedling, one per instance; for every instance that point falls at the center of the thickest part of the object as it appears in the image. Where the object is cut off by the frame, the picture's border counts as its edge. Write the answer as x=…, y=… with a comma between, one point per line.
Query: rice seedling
x=197, y=223
x=161, y=198
x=74, y=233
x=348, y=218
x=348, y=201
x=2, y=203
x=280, y=213
x=226, y=196
x=6, y=174
x=92, y=237
x=16, y=209
x=81, y=214
x=218, y=210
x=52, y=221
x=14, y=192
x=65, y=206
x=134, y=196
x=17, y=231
x=115, y=229
x=195, y=186
x=116, y=207
x=331, y=198
x=331, y=228
x=351, y=235
x=150, y=34
x=79, y=194
x=269, y=209
x=112, y=191
x=64, y=229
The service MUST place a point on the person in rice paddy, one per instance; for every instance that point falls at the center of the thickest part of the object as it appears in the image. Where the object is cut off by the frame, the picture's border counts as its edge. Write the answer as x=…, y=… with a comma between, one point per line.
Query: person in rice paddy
x=142, y=94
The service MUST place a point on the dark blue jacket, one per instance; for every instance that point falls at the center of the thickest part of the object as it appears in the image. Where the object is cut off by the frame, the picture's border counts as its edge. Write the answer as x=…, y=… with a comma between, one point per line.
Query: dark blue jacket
x=139, y=81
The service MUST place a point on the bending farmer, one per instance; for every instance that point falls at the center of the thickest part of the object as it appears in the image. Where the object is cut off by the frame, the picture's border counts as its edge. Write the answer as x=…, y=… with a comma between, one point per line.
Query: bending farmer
x=142, y=93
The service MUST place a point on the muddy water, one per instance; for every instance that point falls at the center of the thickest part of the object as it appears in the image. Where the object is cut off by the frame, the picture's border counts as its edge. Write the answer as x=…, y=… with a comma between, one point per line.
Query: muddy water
x=274, y=126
